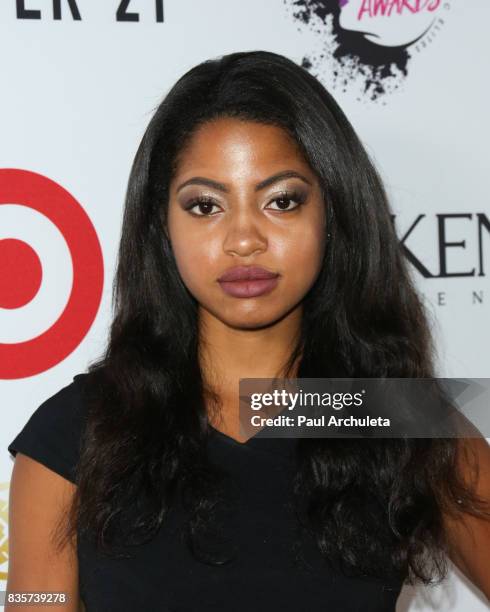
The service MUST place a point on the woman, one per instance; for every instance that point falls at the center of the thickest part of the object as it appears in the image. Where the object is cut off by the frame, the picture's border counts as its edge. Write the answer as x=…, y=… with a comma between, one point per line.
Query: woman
x=247, y=162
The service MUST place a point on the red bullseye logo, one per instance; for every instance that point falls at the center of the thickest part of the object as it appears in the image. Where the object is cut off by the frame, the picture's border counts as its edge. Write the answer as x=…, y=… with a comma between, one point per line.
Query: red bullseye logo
x=21, y=273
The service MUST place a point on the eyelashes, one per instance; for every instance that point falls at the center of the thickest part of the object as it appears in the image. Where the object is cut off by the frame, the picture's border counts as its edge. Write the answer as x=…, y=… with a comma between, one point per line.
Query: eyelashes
x=285, y=198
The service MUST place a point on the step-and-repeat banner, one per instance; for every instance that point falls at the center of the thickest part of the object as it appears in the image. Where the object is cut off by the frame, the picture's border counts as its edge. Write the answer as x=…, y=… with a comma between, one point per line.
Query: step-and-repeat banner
x=80, y=80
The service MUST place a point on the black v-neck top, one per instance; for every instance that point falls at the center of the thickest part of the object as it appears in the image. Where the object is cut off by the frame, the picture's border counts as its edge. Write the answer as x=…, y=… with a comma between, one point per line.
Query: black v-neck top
x=162, y=575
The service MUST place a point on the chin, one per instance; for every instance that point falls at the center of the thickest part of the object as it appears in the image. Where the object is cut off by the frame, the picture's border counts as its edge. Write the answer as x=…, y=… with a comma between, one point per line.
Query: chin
x=247, y=324
x=253, y=320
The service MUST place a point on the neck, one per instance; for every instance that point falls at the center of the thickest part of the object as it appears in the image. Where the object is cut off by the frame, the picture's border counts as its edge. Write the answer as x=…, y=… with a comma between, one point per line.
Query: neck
x=227, y=354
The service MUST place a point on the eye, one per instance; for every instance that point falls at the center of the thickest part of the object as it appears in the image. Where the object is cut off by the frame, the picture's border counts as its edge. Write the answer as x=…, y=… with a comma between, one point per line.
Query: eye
x=203, y=202
x=206, y=204
x=287, y=197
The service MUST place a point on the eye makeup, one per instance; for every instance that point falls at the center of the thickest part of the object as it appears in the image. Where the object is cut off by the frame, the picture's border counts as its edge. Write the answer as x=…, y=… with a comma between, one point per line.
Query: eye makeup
x=298, y=196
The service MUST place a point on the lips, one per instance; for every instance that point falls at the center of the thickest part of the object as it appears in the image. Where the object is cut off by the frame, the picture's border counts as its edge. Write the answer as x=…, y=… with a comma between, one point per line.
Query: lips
x=248, y=281
x=241, y=273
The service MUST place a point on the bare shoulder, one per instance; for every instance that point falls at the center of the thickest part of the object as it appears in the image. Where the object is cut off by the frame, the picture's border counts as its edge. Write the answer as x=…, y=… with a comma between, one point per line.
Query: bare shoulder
x=469, y=536
x=39, y=499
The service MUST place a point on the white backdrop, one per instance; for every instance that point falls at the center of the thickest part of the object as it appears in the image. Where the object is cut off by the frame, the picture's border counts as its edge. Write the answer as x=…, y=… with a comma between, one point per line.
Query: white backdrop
x=77, y=95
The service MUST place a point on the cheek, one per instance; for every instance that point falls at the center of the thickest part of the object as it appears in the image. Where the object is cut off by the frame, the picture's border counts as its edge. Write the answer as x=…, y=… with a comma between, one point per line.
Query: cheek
x=296, y=252
x=197, y=260
x=301, y=255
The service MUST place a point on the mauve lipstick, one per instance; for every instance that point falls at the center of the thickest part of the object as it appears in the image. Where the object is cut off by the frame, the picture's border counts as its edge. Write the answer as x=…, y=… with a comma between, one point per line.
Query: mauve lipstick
x=248, y=281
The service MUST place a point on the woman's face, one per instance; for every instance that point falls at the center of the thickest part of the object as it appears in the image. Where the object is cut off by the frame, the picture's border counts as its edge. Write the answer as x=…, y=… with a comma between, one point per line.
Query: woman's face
x=248, y=216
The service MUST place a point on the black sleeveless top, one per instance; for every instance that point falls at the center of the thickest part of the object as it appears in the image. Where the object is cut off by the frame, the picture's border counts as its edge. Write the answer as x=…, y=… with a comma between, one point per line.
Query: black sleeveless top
x=162, y=575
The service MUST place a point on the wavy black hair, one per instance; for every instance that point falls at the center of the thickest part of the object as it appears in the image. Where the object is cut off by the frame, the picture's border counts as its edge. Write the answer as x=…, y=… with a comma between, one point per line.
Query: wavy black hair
x=147, y=425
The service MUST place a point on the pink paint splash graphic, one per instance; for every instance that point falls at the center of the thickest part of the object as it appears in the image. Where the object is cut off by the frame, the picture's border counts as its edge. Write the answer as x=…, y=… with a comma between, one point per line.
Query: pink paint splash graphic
x=348, y=55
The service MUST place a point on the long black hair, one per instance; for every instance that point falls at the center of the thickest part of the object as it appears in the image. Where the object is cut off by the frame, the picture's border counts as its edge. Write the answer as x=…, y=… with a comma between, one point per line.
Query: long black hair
x=147, y=425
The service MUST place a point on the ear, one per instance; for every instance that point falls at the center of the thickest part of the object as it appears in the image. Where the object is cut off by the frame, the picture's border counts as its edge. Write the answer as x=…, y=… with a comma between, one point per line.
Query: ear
x=163, y=222
x=167, y=235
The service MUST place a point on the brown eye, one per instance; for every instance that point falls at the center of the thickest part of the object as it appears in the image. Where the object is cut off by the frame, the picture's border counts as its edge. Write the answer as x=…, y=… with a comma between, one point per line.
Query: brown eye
x=204, y=204
x=284, y=200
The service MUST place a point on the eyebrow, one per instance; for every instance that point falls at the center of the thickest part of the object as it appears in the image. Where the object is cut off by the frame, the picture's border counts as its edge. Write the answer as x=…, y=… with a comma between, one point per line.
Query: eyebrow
x=200, y=180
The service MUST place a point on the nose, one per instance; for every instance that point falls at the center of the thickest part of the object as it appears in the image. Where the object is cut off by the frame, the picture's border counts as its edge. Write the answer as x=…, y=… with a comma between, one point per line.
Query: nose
x=244, y=234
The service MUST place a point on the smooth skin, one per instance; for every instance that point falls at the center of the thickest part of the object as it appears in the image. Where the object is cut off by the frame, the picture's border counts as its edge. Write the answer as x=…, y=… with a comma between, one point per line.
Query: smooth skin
x=239, y=337
x=38, y=498
x=246, y=222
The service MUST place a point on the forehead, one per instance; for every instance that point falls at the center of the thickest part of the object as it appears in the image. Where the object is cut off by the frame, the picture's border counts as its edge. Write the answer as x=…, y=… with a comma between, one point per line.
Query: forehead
x=229, y=142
